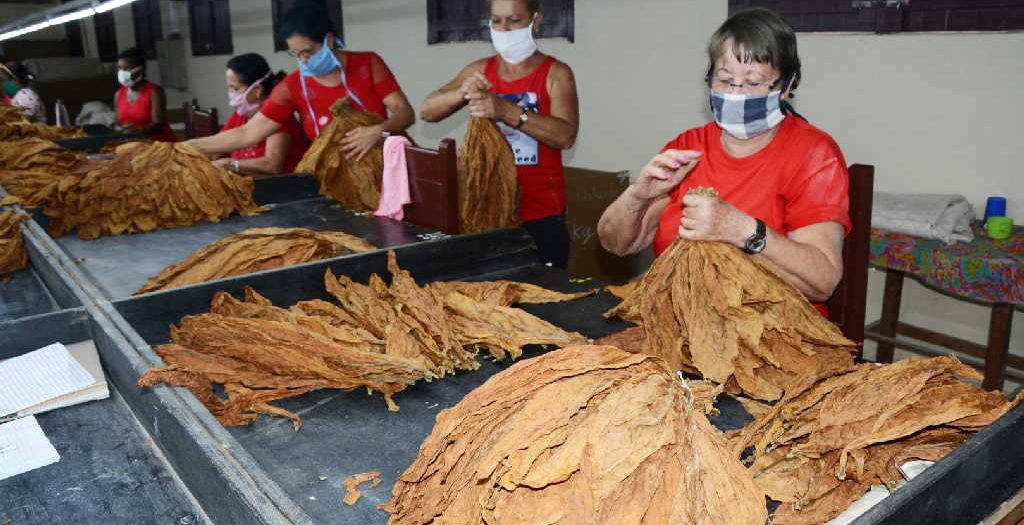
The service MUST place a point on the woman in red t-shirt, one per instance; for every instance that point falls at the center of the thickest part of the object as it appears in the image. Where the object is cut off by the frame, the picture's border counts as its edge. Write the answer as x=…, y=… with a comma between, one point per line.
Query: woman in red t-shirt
x=532, y=97
x=250, y=81
x=140, y=104
x=326, y=73
x=782, y=184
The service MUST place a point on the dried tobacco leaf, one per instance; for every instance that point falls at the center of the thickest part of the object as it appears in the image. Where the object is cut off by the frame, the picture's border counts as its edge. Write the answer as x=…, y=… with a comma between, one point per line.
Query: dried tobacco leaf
x=14, y=126
x=504, y=293
x=254, y=250
x=581, y=435
x=706, y=308
x=836, y=433
x=13, y=257
x=31, y=169
x=380, y=337
x=352, y=483
x=488, y=187
x=355, y=184
x=148, y=186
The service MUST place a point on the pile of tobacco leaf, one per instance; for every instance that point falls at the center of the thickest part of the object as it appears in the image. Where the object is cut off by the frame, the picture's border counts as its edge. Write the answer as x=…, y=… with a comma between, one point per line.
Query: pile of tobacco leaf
x=837, y=433
x=377, y=336
x=581, y=435
x=254, y=250
x=708, y=309
x=352, y=183
x=147, y=186
x=13, y=257
x=31, y=169
x=14, y=126
x=488, y=187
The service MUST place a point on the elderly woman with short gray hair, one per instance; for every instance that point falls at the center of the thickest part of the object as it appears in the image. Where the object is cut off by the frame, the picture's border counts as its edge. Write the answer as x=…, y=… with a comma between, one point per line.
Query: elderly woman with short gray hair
x=782, y=183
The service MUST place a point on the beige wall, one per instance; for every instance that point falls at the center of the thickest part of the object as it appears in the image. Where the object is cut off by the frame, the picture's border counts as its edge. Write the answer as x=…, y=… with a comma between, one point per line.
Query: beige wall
x=933, y=113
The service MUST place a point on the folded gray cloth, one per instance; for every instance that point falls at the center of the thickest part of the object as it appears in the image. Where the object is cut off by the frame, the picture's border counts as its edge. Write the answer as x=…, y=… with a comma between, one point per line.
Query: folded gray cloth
x=932, y=216
x=96, y=112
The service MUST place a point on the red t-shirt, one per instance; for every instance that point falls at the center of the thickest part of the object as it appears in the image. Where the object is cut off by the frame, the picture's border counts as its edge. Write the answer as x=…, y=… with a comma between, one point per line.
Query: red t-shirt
x=367, y=75
x=538, y=166
x=296, y=149
x=799, y=179
x=139, y=114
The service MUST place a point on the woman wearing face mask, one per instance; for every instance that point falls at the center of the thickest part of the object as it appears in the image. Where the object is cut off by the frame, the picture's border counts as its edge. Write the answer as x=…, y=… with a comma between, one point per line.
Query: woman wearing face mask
x=250, y=81
x=16, y=78
x=782, y=184
x=326, y=73
x=532, y=97
x=141, y=105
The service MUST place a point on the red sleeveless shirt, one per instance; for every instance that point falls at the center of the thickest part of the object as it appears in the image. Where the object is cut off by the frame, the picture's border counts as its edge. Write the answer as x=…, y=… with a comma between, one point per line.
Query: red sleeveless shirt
x=538, y=166
x=140, y=113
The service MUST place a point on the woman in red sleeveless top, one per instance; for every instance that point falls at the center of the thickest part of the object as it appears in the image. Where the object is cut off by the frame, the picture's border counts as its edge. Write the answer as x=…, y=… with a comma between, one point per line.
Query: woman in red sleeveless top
x=326, y=73
x=782, y=183
x=532, y=97
x=140, y=104
x=250, y=81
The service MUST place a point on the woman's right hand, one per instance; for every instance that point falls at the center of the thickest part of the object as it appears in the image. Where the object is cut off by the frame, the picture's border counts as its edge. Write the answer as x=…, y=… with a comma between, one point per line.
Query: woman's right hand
x=664, y=172
x=475, y=83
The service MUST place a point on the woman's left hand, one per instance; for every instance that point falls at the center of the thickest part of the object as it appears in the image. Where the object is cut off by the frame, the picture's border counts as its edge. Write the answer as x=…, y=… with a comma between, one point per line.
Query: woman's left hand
x=359, y=141
x=223, y=163
x=490, y=106
x=712, y=219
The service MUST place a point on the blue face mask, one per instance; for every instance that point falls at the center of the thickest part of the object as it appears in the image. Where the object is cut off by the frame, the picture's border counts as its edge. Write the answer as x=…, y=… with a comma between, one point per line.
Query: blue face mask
x=746, y=116
x=322, y=62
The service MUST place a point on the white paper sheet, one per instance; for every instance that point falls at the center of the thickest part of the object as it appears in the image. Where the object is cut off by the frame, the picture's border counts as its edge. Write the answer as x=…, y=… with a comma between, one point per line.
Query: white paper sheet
x=40, y=376
x=24, y=447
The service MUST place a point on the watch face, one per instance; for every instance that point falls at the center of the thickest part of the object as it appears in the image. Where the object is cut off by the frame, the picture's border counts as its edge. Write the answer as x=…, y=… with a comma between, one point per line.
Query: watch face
x=756, y=245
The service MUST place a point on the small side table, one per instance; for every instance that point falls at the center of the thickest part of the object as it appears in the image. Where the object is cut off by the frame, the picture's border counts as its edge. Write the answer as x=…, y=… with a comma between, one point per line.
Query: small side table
x=985, y=271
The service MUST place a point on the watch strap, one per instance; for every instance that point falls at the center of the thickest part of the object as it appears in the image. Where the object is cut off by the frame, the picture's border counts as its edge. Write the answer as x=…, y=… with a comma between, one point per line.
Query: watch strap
x=756, y=242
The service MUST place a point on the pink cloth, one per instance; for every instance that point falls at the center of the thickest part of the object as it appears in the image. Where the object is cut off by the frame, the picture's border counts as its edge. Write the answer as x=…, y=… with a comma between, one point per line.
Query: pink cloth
x=394, y=191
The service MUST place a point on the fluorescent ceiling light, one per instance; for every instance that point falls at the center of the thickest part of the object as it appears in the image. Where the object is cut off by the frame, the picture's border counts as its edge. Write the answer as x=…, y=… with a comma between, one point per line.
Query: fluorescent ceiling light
x=112, y=4
x=70, y=17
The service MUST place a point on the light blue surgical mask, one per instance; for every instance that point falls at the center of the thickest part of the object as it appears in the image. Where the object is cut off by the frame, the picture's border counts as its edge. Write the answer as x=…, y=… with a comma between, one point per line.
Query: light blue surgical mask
x=322, y=62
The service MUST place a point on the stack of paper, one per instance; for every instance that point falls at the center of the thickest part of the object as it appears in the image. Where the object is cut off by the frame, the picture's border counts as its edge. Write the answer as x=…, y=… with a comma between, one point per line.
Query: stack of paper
x=24, y=447
x=49, y=378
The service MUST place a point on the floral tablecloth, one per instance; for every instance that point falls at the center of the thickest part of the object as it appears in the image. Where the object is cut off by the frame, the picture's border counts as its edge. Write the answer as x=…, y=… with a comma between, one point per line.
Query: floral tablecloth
x=982, y=270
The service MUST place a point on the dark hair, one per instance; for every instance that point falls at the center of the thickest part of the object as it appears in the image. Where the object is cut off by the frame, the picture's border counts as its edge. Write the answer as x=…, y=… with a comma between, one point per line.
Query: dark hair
x=762, y=36
x=21, y=72
x=534, y=6
x=251, y=67
x=308, y=19
x=135, y=56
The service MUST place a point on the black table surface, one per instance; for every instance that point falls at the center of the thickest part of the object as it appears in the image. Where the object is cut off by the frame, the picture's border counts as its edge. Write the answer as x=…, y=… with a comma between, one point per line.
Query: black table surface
x=107, y=473
x=24, y=295
x=346, y=433
x=120, y=264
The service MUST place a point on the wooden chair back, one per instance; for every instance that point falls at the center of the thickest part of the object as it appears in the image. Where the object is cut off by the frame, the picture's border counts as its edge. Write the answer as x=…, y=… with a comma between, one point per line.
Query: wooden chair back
x=848, y=303
x=433, y=187
x=199, y=123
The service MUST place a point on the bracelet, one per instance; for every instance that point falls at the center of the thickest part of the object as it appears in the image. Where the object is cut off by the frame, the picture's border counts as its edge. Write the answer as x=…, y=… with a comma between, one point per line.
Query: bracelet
x=236, y=166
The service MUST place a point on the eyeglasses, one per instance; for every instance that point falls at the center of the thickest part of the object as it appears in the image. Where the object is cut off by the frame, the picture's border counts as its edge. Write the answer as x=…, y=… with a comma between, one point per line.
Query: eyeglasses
x=725, y=84
x=303, y=54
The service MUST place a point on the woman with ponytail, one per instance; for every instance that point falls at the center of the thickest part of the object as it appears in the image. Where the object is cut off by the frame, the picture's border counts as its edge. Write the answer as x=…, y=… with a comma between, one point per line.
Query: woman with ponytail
x=250, y=82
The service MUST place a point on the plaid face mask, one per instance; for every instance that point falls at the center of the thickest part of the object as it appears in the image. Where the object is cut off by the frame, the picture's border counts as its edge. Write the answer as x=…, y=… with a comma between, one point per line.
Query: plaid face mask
x=745, y=116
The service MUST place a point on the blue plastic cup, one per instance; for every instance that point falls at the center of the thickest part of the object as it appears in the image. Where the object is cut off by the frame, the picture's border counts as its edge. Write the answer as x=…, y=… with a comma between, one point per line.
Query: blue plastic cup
x=995, y=207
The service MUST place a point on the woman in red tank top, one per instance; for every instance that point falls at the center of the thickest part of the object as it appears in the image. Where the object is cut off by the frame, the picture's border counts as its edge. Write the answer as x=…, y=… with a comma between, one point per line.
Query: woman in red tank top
x=532, y=98
x=250, y=82
x=140, y=104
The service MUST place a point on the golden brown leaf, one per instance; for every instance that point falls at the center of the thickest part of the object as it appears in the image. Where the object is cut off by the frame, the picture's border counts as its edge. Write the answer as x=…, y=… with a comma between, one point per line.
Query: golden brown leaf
x=352, y=483
x=488, y=187
x=13, y=257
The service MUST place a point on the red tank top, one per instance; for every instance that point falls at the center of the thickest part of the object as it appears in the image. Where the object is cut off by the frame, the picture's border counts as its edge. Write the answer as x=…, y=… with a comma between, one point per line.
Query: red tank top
x=538, y=166
x=296, y=148
x=139, y=114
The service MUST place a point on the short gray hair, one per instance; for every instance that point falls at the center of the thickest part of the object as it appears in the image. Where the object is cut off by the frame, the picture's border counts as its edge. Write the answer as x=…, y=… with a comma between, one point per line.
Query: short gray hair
x=762, y=36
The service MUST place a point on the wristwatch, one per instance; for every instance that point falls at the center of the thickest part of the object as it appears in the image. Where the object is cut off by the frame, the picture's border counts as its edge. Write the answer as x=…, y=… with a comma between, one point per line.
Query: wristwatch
x=236, y=166
x=523, y=117
x=757, y=241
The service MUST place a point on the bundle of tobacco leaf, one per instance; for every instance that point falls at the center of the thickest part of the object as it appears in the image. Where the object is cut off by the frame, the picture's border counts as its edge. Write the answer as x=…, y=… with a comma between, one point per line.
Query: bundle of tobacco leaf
x=31, y=169
x=488, y=187
x=355, y=184
x=254, y=250
x=581, y=435
x=14, y=126
x=707, y=308
x=147, y=186
x=13, y=257
x=381, y=337
x=837, y=433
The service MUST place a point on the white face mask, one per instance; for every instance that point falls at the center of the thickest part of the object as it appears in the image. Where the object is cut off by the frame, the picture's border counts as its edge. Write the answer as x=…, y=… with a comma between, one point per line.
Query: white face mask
x=516, y=45
x=125, y=77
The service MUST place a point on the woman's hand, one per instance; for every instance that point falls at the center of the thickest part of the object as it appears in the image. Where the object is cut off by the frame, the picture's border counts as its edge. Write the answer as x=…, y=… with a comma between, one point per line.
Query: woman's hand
x=359, y=141
x=712, y=219
x=474, y=83
x=489, y=106
x=664, y=172
x=223, y=163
